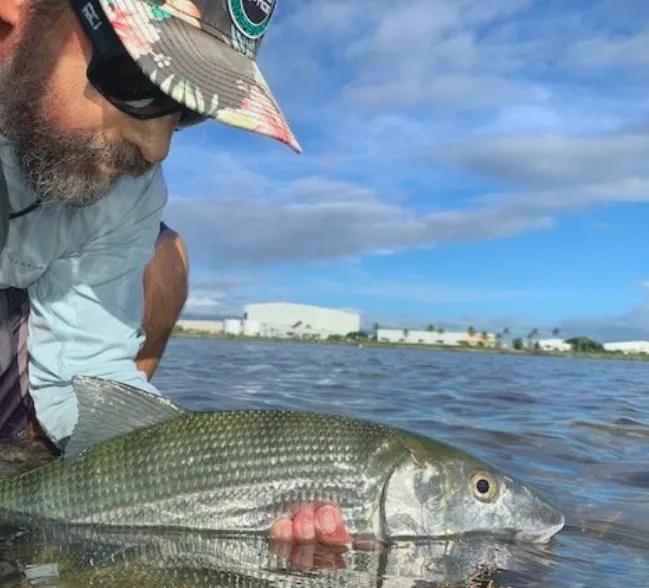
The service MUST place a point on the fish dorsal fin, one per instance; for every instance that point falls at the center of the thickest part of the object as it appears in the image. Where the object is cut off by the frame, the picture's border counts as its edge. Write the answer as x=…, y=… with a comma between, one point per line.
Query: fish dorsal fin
x=109, y=409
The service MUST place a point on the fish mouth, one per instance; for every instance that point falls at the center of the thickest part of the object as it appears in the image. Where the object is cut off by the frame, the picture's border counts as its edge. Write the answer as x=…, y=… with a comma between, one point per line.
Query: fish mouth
x=544, y=535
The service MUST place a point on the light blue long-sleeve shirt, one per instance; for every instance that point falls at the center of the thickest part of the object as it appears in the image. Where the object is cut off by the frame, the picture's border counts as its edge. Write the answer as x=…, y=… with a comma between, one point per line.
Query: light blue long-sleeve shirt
x=83, y=270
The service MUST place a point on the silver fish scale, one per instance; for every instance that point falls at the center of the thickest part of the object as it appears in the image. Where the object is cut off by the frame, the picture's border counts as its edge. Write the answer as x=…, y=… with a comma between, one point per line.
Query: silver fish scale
x=225, y=470
x=173, y=559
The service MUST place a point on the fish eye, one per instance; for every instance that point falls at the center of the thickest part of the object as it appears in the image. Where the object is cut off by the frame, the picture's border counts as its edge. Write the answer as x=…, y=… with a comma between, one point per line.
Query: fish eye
x=483, y=486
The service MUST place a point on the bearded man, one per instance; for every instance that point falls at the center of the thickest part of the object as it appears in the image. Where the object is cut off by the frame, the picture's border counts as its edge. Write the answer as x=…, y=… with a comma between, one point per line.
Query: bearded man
x=91, y=279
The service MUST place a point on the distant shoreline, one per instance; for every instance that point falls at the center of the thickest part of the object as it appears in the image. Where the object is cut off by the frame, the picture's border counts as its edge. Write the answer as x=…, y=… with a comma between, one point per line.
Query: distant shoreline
x=183, y=332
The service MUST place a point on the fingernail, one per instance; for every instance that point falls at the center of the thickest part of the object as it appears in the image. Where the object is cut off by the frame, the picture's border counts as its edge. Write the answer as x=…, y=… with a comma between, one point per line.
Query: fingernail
x=308, y=532
x=328, y=522
x=286, y=531
x=282, y=529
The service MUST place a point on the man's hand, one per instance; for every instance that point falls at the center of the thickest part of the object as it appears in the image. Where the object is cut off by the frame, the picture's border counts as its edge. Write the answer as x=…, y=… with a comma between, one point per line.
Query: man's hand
x=310, y=523
x=314, y=537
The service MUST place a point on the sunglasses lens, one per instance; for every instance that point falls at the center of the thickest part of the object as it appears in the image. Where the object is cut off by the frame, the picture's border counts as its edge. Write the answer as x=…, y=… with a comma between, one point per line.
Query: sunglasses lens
x=121, y=81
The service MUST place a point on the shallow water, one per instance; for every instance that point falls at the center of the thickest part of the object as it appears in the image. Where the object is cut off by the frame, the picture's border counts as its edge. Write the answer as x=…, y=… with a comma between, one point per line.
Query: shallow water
x=578, y=429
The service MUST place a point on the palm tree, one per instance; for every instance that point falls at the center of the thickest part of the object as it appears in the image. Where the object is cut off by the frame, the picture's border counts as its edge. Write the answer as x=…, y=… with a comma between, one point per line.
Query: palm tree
x=531, y=335
x=555, y=331
x=431, y=328
x=470, y=331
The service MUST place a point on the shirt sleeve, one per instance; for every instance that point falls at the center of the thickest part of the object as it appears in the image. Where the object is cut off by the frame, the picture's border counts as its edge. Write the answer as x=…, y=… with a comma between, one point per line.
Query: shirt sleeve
x=87, y=307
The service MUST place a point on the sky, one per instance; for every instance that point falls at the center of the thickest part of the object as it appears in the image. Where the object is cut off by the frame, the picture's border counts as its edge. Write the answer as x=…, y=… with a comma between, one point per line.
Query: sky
x=479, y=162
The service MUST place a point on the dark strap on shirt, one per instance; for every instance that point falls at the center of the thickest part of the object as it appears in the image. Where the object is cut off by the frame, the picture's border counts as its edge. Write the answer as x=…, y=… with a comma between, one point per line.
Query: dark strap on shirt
x=5, y=211
x=26, y=210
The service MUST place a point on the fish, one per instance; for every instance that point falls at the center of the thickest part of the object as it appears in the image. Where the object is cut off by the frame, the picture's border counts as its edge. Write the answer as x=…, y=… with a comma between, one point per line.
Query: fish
x=139, y=460
x=61, y=555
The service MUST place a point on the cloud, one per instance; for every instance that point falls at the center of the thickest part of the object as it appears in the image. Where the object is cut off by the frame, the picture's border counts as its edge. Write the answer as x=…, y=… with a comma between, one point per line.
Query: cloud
x=314, y=189
x=449, y=57
x=627, y=326
x=426, y=53
x=255, y=219
x=414, y=289
x=455, y=92
x=605, y=51
x=204, y=303
x=434, y=55
x=551, y=159
x=217, y=294
x=248, y=231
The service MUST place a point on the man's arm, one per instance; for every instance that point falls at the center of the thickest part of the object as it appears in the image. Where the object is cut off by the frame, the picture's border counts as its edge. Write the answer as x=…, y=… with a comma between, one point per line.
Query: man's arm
x=165, y=295
x=87, y=308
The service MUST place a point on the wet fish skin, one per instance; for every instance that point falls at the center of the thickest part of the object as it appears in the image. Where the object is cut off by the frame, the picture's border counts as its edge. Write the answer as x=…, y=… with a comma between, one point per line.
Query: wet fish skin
x=119, y=558
x=240, y=470
x=153, y=557
x=226, y=471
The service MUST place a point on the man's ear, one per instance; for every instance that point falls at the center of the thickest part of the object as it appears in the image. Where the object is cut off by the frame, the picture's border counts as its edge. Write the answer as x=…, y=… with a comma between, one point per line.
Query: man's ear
x=11, y=11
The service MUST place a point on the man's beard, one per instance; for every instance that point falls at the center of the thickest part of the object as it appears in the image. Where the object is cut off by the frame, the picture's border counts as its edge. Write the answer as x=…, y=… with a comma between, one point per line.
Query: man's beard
x=60, y=167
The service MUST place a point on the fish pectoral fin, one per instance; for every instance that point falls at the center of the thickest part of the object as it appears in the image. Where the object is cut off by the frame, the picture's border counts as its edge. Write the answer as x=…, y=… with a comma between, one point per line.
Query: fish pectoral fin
x=109, y=409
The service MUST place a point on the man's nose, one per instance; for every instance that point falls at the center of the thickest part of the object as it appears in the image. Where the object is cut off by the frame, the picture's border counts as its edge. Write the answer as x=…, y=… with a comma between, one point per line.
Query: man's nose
x=153, y=136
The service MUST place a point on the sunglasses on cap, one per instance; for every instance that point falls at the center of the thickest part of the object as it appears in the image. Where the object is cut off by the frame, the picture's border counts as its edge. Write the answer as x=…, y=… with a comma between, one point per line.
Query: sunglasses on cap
x=118, y=78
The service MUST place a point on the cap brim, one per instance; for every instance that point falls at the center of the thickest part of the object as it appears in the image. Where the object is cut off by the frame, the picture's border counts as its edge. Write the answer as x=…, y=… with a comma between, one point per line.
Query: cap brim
x=199, y=70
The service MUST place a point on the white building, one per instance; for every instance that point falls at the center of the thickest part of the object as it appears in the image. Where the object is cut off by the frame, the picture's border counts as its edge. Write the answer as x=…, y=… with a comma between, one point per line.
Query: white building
x=628, y=346
x=554, y=345
x=232, y=326
x=251, y=328
x=414, y=336
x=279, y=319
x=203, y=326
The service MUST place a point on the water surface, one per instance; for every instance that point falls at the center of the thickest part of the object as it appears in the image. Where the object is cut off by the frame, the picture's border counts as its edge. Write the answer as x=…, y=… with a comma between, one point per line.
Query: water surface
x=578, y=429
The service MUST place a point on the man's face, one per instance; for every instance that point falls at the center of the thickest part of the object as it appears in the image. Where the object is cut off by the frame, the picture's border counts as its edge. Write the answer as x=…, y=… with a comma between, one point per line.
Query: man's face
x=72, y=144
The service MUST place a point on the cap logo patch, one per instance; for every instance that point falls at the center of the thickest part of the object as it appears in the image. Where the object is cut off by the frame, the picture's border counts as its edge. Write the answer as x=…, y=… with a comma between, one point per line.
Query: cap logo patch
x=90, y=14
x=251, y=17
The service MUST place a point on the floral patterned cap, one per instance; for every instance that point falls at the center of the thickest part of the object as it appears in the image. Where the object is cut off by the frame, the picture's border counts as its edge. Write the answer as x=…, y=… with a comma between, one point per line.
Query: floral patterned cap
x=203, y=54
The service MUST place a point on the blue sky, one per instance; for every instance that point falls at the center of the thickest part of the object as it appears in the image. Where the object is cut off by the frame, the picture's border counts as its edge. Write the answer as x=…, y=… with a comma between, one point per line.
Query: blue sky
x=465, y=161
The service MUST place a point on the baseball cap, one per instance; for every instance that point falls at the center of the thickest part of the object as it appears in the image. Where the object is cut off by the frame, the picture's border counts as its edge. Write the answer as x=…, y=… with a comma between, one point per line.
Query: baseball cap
x=203, y=54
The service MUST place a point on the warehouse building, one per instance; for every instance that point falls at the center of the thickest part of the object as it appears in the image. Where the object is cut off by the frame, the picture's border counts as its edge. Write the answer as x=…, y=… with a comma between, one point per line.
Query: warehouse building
x=413, y=336
x=201, y=326
x=628, y=346
x=277, y=319
x=554, y=345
